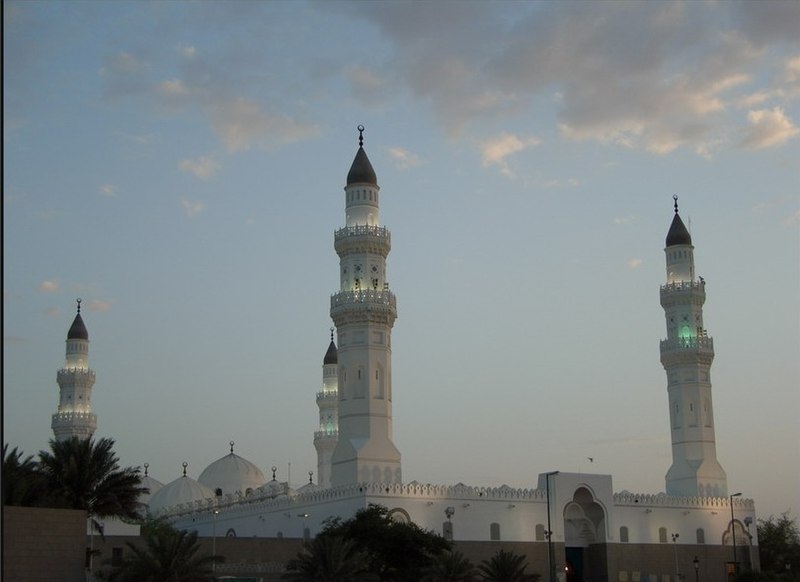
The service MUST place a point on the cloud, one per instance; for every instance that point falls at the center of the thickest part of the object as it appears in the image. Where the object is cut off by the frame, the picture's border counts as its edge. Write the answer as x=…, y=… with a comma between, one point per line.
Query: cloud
x=52, y=312
x=403, y=158
x=624, y=219
x=173, y=87
x=768, y=128
x=367, y=85
x=191, y=208
x=187, y=51
x=240, y=123
x=108, y=190
x=99, y=305
x=495, y=151
x=633, y=263
x=792, y=219
x=49, y=286
x=203, y=167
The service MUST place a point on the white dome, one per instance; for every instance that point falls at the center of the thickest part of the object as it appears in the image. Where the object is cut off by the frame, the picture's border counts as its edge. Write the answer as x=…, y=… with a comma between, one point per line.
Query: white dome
x=182, y=490
x=232, y=474
x=153, y=487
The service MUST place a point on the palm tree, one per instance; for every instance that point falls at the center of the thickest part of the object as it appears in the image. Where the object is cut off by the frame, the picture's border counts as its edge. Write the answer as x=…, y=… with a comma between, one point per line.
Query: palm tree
x=165, y=555
x=85, y=474
x=506, y=567
x=23, y=482
x=450, y=566
x=329, y=558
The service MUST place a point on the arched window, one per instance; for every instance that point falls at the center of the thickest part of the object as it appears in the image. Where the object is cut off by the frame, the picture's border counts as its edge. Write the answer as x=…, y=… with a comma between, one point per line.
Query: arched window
x=662, y=535
x=539, y=532
x=701, y=535
x=623, y=534
x=494, y=532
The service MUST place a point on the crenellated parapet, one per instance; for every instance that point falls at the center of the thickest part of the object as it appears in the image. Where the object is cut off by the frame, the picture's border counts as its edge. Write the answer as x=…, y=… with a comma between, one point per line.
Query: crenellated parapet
x=363, y=239
x=85, y=375
x=690, y=502
x=378, y=306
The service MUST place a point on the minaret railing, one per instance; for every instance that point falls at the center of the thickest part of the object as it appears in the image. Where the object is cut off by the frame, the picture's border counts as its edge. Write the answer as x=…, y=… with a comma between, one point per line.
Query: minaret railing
x=366, y=296
x=362, y=230
x=700, y=343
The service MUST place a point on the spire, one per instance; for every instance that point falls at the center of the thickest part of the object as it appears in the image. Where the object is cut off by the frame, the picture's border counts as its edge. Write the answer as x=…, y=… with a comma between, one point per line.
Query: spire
x=678, y=234
x=78, y=329
x=331, y=356
x=361, y=171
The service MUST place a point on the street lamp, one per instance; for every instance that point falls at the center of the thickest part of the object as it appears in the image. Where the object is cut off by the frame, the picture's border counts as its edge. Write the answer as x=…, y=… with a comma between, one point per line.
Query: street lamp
x=675, y=551
x=214, y=539
x=696, y=563
x=550, y=560
x=733, y=536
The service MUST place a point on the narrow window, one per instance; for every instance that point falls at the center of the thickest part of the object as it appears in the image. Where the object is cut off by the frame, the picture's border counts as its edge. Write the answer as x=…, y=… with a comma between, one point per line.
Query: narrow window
x=623, y=534
x=701, y=535
x=494, y=532
x=539, y=532
x=662, y=535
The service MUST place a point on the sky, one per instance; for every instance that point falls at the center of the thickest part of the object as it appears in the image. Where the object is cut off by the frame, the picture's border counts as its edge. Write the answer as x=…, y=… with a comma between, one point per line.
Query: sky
x=180, y=167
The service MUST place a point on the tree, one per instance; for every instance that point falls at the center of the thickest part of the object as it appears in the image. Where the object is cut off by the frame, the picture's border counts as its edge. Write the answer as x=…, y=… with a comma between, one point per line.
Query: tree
x=779, y=545
x=450, y=566
x=85, y=474
x=164, y=554
x=329, y=559
x=506, y=567
x=23, y=482
x=395, y=551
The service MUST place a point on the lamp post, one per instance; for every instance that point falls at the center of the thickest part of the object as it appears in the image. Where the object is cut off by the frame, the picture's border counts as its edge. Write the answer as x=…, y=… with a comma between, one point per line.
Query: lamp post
x=696, y=563
x=733, y=536
x=675, y=552
x=550, y=560
x=214, y=539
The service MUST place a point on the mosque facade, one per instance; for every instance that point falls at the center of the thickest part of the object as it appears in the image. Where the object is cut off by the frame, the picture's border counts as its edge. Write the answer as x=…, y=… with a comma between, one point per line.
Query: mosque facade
x=573, y=526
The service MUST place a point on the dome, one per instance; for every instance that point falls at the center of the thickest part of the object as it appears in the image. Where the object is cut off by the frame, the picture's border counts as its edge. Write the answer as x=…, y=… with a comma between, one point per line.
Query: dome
x=78, y=329
x=230, y=474
x=152, y=485
x=182, y=490
x=331, y=356
x=361, y=171
x=678, y=235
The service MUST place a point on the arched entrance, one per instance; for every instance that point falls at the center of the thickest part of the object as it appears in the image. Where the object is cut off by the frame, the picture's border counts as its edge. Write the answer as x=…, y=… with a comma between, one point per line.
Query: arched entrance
x=584, y=525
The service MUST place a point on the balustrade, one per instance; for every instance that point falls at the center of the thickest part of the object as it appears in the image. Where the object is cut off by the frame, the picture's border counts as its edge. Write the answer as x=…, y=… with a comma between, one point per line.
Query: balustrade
x=368, y=296
x=362, y=230
x=688, y=343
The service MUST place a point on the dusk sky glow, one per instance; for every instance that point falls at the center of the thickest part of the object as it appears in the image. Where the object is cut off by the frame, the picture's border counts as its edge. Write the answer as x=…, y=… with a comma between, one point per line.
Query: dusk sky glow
x=180, y=167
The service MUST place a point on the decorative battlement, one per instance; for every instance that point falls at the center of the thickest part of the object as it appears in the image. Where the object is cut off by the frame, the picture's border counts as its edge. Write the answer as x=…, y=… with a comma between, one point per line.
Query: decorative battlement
x=326, y=396
x=324, y=434
x=702, y=343
x=362, y=239
x=362, y=230
x=667, y=501
x=82, y=373
x=364, y=305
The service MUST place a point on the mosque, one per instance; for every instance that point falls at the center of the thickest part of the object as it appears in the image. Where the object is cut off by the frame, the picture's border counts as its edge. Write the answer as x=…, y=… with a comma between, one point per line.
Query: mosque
x=572, y=526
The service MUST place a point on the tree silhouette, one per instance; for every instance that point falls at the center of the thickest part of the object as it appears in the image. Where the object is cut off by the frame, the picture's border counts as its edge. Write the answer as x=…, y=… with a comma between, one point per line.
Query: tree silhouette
x=329, y=559
x=164, y=554
x=85, y=474
x=506, y=567
x=23, y=482
x=450, y=566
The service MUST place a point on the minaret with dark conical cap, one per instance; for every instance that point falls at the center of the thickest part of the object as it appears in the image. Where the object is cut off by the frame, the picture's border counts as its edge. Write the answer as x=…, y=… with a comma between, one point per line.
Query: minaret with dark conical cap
x=327, y=401
x=75, y=381
x=364, y=311
x=686, y=355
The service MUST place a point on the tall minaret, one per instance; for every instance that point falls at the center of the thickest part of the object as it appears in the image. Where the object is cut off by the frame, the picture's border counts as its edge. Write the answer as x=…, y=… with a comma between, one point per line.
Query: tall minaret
x=75, y=381
x=327, y=400
x=364, y=311
x=686, y=355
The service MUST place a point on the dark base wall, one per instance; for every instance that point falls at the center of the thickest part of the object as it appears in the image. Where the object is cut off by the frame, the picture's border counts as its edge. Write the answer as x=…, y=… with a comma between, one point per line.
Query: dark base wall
x=43, y=545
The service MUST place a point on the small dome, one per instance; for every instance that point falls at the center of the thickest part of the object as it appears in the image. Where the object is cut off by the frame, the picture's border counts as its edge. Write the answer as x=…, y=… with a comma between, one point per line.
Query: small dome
x=331, y=356
x=78, y=329
x=182, y=490
x=678, y=235
x=361, y=171
x=230, y=474
x=153, y=487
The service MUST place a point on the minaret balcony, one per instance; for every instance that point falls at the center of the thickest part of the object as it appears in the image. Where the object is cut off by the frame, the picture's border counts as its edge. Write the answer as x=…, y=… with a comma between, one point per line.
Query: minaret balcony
x=76, y=373
x=683, y=287
x=366, y=300
x=322, y=435
x=363, y=238
x=327, y=396
x=694, y=344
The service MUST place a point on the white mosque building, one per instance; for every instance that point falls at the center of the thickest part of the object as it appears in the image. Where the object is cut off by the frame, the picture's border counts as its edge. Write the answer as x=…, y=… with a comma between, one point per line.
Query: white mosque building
x=573, y=522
